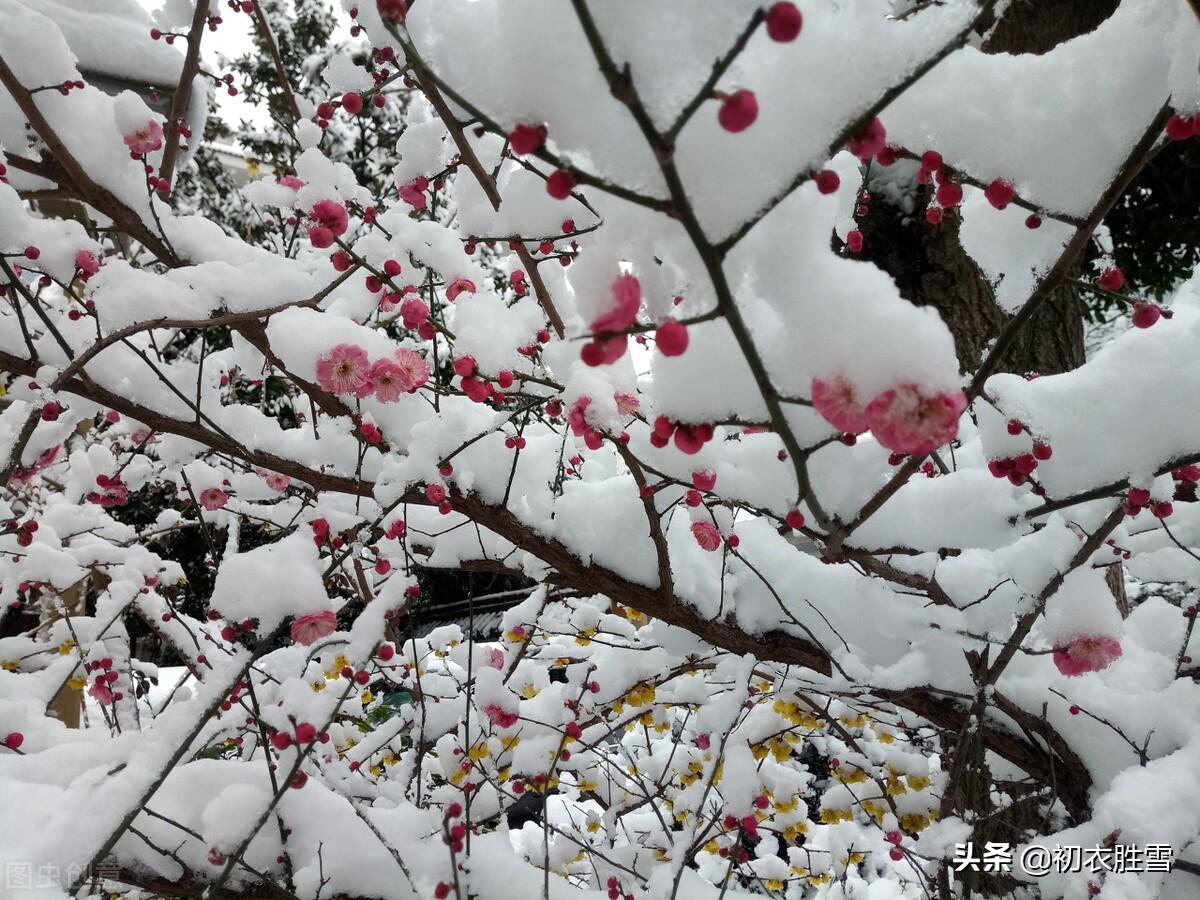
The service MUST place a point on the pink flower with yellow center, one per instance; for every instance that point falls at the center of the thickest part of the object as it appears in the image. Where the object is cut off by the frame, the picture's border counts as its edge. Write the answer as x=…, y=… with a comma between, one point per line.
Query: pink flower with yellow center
x=345, y=370
x=415, y=367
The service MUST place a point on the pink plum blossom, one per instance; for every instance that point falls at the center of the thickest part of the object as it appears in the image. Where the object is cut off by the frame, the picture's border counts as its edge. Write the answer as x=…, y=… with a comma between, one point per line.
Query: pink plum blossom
x=836, y=401
x=415, y=367
x=459, y=285
x=413, y=192
x=706, y=535
x=101, y=692
x=345, y=369
x=627, y=296
x=499, y=716
x=146, y=139
x=907, y=420
x=213, y=498
x=391, y=382
x=413, y=311
x=23, y=476
x=87, y=263
x=1089, y=653
x=310, y=628
x=332, y=215
x=627, y=404
x=274, y=480
x=111, y=492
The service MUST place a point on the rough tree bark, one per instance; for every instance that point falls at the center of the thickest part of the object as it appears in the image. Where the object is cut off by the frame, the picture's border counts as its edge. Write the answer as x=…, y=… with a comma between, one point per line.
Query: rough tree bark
x=928, y=261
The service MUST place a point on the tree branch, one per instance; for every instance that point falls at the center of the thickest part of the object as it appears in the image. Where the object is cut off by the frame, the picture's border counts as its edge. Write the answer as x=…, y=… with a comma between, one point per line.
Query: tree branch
x=183, y=92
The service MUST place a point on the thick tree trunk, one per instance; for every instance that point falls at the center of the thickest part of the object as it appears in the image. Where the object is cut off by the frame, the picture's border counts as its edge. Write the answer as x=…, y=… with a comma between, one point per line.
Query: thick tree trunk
x=1038, y=26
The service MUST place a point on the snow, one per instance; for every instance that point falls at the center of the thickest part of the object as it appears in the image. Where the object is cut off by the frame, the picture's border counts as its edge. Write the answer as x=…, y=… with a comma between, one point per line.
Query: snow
x=112, y=37
x=271, y=582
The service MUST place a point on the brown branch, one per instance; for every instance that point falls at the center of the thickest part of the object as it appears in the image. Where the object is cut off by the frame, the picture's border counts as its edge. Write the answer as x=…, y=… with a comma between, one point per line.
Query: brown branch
x=465, y=151
x=121, y=334
x=181, y=749
x=948, y=714
x=1106, y=490
x=666, y=580
x=1017, y=200
x=18, y=448
x=193, y=886
x=183, y=92
x=539, y=287
x=158, y=421
x=927, y=586
x=281, y=73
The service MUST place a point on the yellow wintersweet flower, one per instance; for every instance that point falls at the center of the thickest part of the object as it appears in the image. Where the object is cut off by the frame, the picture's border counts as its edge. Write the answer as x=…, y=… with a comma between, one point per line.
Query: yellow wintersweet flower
x=833, y=816
x=914, y=822
x=874, y=810
x=642, y=695
x=792, y=832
